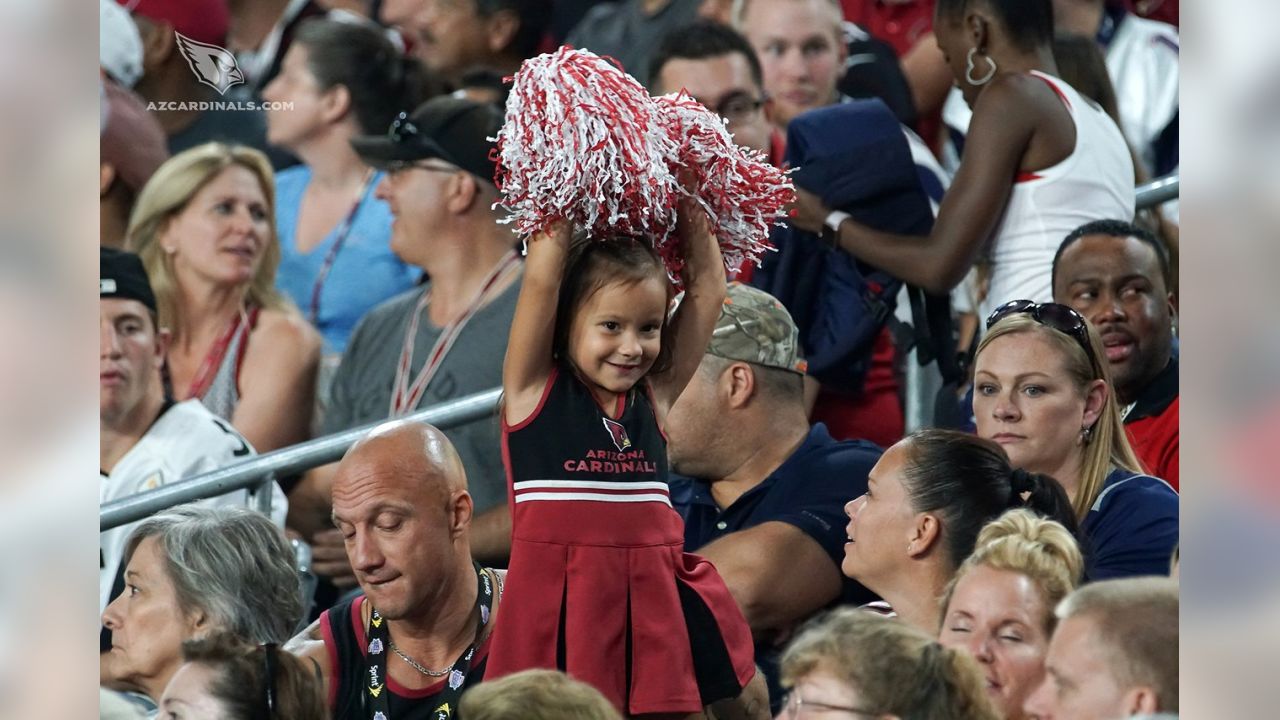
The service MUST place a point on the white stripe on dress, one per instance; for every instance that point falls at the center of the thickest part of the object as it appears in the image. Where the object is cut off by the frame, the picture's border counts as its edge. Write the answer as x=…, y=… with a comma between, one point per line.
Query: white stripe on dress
x=599, y=497
x=589, y=485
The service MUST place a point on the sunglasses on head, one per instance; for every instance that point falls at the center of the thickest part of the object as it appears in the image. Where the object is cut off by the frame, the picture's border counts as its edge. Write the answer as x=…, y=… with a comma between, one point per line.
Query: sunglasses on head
x=1054, y=315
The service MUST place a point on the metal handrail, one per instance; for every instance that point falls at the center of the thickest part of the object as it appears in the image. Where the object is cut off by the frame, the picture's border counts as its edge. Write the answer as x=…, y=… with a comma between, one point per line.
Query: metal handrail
x=286, y=461
x=1157, y=191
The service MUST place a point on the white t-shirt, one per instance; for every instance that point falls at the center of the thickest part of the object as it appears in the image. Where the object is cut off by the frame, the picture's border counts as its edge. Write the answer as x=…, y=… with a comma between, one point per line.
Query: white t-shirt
x=1142, y=60
x=185, y=441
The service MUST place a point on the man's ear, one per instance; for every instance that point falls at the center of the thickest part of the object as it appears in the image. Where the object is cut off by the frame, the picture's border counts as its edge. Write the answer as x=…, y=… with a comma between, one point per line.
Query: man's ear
x=1141, y=700
x=163, y=336
x=926, y=529
x=740, y=384
x=158, y=42
x=464, y=192
x=337, y=103
x=461, y=510
x=501, y=29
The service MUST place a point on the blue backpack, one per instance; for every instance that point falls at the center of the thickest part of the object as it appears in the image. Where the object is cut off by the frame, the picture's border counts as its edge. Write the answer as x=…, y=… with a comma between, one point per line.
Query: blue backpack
x=856, y=158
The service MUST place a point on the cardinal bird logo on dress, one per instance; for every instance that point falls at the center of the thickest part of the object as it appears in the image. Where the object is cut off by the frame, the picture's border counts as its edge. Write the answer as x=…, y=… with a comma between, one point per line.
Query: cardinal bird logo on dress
x=214, y=66
x=618, y=433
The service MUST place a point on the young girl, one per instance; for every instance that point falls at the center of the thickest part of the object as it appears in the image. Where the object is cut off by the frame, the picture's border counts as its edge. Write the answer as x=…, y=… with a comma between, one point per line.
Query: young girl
x=599, y=586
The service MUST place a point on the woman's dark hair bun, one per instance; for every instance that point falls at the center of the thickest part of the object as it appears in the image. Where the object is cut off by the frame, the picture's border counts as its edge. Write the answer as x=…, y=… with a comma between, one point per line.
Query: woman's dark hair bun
x=1020, y=481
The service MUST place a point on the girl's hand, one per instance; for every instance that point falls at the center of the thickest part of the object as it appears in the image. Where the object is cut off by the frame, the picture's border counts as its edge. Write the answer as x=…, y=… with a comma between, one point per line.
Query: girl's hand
x=692, y=221
x=807, y=212
x=559, y=231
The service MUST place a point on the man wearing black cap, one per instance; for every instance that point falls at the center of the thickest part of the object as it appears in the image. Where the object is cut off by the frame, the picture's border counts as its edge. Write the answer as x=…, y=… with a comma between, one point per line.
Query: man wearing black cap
x=147, y=439
x=443, y=340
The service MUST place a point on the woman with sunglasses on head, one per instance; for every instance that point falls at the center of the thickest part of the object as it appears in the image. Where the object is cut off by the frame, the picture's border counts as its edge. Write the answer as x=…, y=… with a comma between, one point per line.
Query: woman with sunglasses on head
x=927, y=499
x=1042, y=391
x=1039, y=160
x=223, y=678
x=340, y=79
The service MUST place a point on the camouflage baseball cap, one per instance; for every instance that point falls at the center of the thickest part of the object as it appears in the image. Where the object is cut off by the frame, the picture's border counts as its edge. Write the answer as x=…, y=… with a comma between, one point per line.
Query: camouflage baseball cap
x=755, y=328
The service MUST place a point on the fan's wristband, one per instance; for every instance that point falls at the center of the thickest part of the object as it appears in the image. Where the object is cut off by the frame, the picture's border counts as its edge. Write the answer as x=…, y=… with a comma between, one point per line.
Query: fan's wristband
x=831, y=231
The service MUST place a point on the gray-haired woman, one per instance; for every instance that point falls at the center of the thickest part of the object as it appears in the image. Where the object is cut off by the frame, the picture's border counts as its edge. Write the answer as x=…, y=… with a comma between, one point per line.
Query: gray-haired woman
x=191, y=571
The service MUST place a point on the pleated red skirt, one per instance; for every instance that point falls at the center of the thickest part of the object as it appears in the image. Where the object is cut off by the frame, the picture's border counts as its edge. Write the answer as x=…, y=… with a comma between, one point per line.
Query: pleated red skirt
x=604, y=592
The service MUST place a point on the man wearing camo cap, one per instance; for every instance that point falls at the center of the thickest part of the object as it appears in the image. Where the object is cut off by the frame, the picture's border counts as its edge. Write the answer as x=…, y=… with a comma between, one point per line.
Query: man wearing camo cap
x=762, y=493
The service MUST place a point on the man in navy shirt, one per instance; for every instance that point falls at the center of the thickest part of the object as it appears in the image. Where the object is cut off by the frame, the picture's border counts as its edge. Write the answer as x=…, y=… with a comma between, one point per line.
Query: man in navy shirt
x=762, y=493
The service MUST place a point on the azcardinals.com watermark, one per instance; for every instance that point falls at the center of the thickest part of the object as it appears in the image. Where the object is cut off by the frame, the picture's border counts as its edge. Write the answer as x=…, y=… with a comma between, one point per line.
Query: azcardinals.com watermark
x=207, y=105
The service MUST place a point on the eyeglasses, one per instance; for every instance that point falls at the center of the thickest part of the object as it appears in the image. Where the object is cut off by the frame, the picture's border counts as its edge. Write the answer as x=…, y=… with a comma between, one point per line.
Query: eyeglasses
x=1059, y=317
x=402, y=128
x=269, y=659
x=738, y=107
x=793, y=705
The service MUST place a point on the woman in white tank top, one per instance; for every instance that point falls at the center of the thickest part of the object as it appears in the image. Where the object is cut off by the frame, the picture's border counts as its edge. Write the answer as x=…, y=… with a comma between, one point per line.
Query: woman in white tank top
x=1039, y=161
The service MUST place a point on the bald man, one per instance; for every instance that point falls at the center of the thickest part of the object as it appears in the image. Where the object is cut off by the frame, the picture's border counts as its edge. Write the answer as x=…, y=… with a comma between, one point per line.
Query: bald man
x=420, y=634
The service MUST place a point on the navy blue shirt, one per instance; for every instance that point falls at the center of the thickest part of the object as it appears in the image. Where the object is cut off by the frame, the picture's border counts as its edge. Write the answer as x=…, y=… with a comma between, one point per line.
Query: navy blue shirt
x=809, y=491
x=1132, y=527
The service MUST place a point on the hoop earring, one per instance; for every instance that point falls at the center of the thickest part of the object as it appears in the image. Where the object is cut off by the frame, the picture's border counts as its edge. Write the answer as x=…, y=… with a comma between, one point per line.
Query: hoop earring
x=968, y=71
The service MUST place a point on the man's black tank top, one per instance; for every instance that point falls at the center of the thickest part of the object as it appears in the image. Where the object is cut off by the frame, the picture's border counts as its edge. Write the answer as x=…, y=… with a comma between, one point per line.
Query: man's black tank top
x=351, y=672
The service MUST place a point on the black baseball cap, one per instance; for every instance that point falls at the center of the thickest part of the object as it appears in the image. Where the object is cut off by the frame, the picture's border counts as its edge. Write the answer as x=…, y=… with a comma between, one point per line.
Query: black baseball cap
x=122, y=275
x=453, y=129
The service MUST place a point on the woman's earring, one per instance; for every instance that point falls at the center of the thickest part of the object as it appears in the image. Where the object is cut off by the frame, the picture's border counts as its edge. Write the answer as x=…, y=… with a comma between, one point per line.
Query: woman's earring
x=968, y=71
x=1085, y=434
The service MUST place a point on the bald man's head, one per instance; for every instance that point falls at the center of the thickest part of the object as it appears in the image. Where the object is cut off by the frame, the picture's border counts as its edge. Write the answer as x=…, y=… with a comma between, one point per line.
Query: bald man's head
x=415, y=453
x=400, y=500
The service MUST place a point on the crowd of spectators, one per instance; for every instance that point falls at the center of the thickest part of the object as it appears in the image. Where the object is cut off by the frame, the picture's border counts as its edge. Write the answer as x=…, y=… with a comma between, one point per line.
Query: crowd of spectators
x=302, y=234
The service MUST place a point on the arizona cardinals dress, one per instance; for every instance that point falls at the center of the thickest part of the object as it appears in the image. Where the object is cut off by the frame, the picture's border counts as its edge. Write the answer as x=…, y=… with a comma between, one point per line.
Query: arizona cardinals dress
x=599, y=585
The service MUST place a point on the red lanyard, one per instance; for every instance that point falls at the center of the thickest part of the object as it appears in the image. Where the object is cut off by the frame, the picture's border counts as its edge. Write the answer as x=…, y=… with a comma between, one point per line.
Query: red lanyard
x=404, y=396
x=313, y=313
x=209, y=367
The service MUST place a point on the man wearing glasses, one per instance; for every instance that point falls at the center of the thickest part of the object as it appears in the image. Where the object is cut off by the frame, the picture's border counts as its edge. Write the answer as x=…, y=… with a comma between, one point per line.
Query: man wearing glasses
x=718, y=68
x=442, y=340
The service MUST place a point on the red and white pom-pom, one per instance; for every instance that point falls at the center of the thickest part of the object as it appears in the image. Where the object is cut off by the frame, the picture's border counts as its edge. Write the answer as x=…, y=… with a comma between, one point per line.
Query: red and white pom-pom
x=742, y=192
x=582, y=141
x=585, y=142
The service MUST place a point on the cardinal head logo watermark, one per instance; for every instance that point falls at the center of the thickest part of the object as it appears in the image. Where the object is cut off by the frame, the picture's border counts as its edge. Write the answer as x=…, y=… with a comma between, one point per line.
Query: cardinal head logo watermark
x=214, y=66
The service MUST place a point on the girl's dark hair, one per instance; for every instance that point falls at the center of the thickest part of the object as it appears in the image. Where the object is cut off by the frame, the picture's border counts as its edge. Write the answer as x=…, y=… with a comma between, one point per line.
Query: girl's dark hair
x=358, y=56
x=967, y=481
x=1028, y=22
x=241, y=683
x=593, y=263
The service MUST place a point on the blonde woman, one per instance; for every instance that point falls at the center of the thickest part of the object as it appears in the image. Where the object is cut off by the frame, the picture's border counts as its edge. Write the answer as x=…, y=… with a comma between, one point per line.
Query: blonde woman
x=1043, y=392
x=204, y=226
x=999, y=607
x=855, y=663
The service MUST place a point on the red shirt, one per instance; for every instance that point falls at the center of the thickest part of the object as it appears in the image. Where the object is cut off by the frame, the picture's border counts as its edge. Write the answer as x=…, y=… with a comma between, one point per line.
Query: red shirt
x=901, y=24
x=1152, y=425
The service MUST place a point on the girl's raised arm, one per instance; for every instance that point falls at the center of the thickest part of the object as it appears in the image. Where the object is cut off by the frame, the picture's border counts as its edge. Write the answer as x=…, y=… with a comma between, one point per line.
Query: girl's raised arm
x=695, y=320
x=529, y=347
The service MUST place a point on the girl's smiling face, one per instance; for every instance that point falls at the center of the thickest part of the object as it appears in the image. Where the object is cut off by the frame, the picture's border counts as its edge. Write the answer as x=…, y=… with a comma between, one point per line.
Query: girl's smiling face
x=615, y=334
